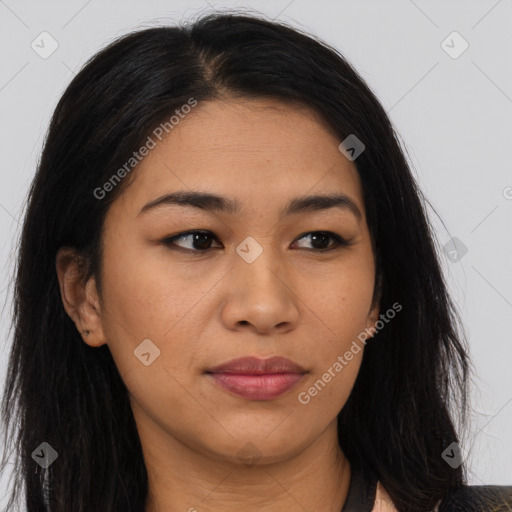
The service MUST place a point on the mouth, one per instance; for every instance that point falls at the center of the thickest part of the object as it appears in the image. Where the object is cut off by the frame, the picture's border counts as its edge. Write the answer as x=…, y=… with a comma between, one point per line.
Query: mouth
x=257, y=379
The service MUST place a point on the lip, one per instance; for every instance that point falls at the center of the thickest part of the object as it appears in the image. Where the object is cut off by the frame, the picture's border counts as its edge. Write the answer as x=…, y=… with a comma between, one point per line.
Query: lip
x=257, y=379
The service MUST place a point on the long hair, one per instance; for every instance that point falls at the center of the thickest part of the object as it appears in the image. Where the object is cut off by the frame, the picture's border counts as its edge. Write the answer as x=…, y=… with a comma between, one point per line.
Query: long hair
x=398, y=419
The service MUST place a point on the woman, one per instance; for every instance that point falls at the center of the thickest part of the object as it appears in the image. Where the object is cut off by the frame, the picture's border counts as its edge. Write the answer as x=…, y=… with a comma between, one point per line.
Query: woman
x=182, y=339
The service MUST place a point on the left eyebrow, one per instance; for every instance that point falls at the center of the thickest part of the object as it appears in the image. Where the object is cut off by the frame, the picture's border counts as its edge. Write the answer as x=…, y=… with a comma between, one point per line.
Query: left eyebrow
x=212, y=202
x=321, y=202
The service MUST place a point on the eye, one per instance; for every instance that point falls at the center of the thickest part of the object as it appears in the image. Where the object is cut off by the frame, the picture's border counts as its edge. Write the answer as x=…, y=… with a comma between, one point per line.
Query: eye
x=200, y=240
x=321, y=238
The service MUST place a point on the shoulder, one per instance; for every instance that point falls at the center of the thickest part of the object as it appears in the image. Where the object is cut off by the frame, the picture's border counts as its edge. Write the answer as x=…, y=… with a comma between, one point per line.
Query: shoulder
x=478, y=498
x=473, y=498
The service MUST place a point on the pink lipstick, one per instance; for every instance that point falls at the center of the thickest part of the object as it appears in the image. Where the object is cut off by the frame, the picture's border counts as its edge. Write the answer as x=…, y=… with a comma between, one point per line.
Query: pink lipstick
x=257, y=379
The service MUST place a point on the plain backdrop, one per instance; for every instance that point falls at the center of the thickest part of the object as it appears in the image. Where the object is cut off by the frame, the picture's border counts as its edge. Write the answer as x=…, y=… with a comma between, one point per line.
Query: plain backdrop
x=451, y=105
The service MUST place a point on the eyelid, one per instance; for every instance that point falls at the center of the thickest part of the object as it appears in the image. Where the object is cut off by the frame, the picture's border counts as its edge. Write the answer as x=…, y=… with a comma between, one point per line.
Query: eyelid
x=169, y=240
x=339, y=241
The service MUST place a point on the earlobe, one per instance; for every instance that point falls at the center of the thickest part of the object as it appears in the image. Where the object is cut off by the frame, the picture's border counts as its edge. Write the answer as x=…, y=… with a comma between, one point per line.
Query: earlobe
x=79, y=297
x=373, y=316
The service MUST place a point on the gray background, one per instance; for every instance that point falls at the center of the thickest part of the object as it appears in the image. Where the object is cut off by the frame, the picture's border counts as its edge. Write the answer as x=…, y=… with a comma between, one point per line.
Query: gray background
x=454, y=116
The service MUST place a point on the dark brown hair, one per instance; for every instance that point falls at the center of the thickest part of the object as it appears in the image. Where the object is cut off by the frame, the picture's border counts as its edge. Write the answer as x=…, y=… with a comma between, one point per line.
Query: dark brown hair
x=397, y=420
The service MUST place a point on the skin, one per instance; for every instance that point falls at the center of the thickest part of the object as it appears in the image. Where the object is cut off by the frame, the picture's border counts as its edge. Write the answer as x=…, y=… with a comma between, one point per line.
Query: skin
x=205, y=308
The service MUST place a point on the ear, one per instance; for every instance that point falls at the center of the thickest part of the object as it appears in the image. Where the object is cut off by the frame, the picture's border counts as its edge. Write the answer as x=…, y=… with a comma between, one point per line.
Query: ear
x=79, y=297
x=373, y=314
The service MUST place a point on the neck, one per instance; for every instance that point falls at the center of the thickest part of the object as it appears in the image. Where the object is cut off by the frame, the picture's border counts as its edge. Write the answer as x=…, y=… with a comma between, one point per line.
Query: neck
x=181, y=478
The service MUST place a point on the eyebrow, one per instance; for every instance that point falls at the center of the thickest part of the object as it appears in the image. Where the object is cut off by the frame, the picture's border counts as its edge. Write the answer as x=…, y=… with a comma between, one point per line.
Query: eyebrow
x=211, y=202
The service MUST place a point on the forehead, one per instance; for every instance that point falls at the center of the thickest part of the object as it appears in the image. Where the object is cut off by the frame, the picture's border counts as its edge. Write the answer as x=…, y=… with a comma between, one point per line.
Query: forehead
x=259, y=151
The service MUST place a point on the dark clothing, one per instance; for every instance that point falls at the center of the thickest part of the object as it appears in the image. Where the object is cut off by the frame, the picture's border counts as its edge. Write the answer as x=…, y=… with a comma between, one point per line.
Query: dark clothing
x=477, y=498
x=361, y=494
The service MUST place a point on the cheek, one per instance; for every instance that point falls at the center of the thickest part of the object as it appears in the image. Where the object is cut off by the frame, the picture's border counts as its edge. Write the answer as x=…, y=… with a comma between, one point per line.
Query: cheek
x=339, y=305
x=154, y=340
x=143, y=288
x=144, y=302
x=335, y=352
x=327, y=391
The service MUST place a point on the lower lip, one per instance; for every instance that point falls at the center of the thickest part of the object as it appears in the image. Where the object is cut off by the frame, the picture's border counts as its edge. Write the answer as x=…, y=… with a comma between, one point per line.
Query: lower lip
x=257, y=387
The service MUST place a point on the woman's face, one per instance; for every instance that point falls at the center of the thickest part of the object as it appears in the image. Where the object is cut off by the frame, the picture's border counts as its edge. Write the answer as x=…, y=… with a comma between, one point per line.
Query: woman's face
x=259, y=283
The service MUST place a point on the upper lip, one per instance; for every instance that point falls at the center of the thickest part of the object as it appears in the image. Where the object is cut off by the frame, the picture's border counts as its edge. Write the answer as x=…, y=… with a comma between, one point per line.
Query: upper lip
x=256, y=366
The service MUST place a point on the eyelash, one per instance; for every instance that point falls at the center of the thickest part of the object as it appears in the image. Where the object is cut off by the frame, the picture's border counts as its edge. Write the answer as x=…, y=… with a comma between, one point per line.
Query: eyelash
x=340, y=242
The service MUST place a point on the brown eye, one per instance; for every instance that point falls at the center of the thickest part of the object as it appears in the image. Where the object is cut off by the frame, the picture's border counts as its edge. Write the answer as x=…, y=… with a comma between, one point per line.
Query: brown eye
x=320, y=240
x=197, y=241
x=201, y=241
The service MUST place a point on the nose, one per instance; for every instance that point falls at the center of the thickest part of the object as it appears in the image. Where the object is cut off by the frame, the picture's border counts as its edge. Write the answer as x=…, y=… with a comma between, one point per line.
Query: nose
x=260, y=296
